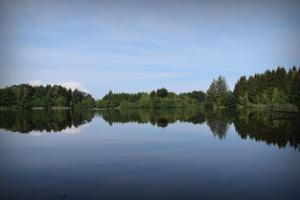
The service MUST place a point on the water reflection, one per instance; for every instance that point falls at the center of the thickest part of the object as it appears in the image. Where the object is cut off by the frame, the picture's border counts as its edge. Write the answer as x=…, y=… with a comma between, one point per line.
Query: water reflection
x=157, y=117
x=280, y=129
x=219, y=121
x=41, y=120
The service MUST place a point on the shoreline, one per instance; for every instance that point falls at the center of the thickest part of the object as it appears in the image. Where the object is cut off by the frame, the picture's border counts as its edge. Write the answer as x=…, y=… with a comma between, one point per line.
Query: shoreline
x=258, y=107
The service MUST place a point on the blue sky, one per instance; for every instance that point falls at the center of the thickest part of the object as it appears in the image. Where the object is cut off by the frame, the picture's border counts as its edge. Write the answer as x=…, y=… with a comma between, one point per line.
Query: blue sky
x=132, y=46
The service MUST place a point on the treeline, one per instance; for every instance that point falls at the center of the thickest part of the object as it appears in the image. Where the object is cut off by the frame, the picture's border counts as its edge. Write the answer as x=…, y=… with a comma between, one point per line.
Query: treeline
x=25, y=96
x=161, y=98
x=273, y=87
x=218, y=95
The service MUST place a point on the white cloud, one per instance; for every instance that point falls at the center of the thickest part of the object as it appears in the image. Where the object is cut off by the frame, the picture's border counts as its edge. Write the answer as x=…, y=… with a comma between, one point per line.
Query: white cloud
x=69, y=84
x=73, y=85
x=35, y=82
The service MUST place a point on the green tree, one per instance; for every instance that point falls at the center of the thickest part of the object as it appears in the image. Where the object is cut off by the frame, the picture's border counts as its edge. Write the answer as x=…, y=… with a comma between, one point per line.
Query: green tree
x=295, y=89
x=162, y=93
x=88, y=103
x=60, y=101
x=244, y=100
x=276, y=96
x=8, y=98
x=145, y=101
x=217, y=93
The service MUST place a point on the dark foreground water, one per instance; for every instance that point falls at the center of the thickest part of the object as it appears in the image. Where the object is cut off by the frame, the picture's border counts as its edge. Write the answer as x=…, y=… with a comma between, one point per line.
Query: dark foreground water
x=152, y=154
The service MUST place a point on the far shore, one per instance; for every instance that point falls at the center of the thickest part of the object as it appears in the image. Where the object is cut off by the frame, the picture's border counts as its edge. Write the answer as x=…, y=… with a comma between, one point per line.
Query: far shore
x=271, y=108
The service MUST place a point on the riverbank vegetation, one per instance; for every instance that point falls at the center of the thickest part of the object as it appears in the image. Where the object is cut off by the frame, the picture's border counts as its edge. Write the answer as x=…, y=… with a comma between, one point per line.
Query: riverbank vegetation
x=277, y=90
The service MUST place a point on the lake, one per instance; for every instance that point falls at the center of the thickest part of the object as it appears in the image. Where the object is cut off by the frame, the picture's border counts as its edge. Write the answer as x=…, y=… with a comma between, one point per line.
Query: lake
x=149, y=154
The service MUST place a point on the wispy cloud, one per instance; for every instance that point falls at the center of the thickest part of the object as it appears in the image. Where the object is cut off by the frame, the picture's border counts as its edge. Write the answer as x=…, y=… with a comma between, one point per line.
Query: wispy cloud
x=122, y=77
x=103, y=45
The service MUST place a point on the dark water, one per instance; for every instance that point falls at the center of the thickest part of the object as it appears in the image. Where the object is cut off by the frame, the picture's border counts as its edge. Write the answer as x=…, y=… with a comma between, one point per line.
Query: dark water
x=150, y=154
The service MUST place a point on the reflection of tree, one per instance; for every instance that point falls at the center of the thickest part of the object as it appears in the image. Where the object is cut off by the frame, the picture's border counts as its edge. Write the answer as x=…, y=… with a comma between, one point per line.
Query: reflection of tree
x=218, y=121
x=280, y=129
x=218, y=127
x=158, y=117
x=162, y=122
x=42, y=120
x=276, y=128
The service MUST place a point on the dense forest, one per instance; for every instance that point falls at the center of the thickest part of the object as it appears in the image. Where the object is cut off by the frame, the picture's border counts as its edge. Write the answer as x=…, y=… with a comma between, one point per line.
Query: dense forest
x=25, y=96
x=274, y=89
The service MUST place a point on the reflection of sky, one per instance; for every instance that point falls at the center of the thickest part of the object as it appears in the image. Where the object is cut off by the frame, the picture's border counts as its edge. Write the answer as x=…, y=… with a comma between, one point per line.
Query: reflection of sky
x=75, y=130
x=141, y=161
x=182, y=45
x=69, y=130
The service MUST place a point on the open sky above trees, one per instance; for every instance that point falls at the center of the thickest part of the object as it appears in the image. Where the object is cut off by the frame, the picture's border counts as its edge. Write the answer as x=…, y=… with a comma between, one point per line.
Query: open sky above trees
x=130, y=46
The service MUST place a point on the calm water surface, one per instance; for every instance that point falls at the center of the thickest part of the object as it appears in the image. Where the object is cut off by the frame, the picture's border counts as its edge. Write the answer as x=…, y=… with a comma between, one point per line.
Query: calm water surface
x=150, y=154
